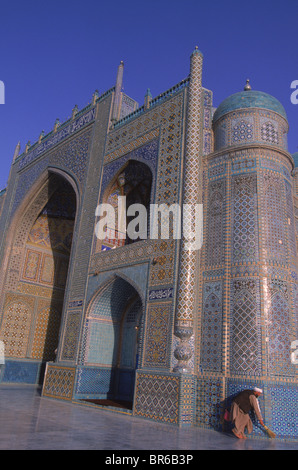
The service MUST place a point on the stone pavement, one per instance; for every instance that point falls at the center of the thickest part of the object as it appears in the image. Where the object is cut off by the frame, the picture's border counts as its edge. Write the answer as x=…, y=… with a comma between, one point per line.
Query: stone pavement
x=29, y=421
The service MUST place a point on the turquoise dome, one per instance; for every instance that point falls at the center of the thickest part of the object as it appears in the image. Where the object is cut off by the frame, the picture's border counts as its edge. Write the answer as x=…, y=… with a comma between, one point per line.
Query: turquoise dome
x=295, y=158
x=249, y=99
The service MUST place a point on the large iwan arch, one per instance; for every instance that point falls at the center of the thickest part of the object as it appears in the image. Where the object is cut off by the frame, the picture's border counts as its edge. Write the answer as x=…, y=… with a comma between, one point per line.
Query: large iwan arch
x=37, y=257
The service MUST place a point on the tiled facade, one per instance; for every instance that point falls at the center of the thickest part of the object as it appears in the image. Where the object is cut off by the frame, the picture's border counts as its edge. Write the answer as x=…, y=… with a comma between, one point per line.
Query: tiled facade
x=174, y=331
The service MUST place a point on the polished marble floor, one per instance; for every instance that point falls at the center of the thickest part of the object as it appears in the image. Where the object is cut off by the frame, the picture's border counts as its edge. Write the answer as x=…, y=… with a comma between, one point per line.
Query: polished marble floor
x=29, y=421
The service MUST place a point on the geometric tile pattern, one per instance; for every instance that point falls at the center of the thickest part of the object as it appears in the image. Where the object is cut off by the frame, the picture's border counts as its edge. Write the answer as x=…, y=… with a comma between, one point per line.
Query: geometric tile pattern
x=207, y=121
x=157, y=397
x=242, y=130
x=79, y=266
x=279, y=336
x=93, y=381
x=255, y=265
x=215, y=220
x=235, y=386
x=22, y=372
x=274, y=226
x=111, y=337
x=16, y=325
x=72, y=326
x=32, y=330
x=250, y=127
x=46, y=333
x=220, y=137
x=239, y=292
x=278, y=405
x=52, y=233
x=59, y=382
x=164, y=159
x=245, y=331
x=134, y=146
x=191, y=188
x=133, y=182
x=102, y=337
x=245, y=235
x=146, y=154
x=31, y=268
x=24, y=224
x=284, y=411
x=104, y=328
x=292, y=248
x=68, y=128
x=71, y=156
x=156, y=352
x=186, y=292
x=209, y=402
x=187, y=400
x=211, y=341
x=269, y=133
x=2, y=199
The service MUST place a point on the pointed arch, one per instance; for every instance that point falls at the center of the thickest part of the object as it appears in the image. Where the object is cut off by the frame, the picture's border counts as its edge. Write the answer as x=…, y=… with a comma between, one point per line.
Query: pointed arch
x=36, y=266
x=133, y=182
x=112, y=334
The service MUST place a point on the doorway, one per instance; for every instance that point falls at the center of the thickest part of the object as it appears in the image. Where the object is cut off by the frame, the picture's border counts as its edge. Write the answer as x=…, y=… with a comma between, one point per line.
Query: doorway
x=113, y=339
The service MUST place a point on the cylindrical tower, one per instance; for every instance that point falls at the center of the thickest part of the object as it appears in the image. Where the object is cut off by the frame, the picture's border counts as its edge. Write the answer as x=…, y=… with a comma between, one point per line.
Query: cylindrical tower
x=249, y=260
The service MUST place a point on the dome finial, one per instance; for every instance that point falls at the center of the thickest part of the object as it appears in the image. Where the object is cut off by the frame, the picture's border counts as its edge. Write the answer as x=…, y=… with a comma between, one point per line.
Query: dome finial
x=247, y=86
x=197, y=51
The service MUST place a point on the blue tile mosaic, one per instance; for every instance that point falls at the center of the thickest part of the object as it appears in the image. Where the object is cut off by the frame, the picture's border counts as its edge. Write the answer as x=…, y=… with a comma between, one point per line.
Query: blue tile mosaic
x=176, y=332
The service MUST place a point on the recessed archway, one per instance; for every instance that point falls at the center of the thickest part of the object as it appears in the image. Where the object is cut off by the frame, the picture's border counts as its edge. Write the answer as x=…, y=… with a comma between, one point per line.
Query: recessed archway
x=134, y=183
x=112, y=343
x=39, y=245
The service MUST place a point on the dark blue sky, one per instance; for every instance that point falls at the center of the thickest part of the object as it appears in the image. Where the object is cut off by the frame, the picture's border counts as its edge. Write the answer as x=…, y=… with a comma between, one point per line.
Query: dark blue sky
x=54, y=54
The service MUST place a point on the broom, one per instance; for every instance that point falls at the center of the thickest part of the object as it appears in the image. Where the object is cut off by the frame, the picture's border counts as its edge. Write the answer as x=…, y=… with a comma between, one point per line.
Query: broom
x=269, y=432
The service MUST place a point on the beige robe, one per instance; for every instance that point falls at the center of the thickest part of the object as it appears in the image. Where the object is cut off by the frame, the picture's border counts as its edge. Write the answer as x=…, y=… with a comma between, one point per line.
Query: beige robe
x=242, y=420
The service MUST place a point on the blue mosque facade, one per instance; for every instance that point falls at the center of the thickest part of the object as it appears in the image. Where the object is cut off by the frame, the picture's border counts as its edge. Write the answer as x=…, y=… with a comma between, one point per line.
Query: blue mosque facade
x=148, y=326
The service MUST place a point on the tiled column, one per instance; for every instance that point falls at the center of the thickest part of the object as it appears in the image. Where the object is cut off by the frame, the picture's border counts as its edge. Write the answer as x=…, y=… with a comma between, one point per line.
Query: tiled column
x=191, y=195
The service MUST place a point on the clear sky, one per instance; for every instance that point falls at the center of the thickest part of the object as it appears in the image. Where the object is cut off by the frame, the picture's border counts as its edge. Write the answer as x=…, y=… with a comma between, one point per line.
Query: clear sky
x=55, y=54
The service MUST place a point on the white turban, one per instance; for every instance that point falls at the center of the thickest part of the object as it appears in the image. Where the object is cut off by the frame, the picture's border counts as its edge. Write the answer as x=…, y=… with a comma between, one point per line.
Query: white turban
x=259, y=390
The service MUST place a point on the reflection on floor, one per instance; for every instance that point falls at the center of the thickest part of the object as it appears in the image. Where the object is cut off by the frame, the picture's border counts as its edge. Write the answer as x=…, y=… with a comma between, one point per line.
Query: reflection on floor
x=30, y=421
